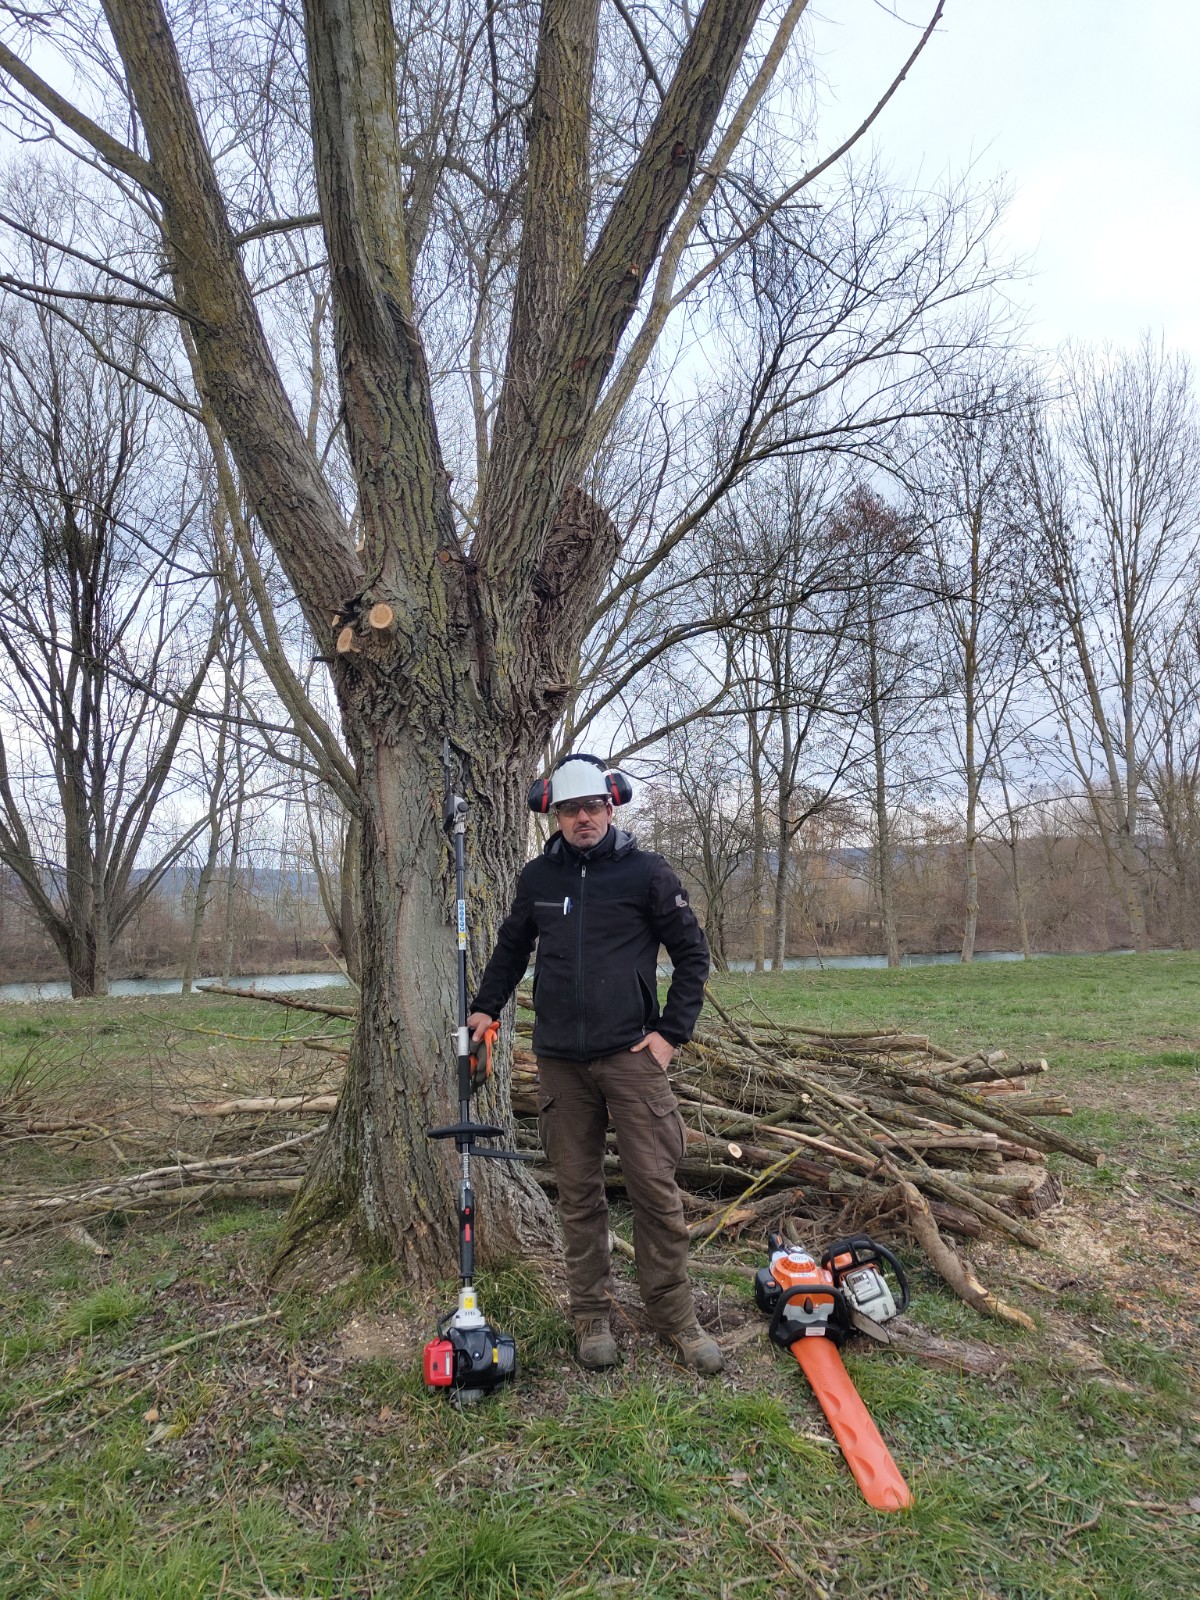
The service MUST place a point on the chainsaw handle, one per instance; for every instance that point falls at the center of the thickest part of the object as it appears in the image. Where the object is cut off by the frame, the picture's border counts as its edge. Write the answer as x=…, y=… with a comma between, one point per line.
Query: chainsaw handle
x=901, y=1279
x=835, y=1327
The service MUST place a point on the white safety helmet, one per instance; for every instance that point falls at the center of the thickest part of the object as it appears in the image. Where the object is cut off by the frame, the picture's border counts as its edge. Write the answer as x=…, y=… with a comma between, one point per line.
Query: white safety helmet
x=579, y=777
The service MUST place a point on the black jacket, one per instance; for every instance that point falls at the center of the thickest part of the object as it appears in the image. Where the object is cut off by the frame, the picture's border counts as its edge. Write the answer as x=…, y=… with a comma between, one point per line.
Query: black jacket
x=598, y=917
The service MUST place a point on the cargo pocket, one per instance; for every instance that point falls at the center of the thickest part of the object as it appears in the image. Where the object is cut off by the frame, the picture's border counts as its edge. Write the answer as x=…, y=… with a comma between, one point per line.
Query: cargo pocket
x=547, y=1121
x=670, y=1139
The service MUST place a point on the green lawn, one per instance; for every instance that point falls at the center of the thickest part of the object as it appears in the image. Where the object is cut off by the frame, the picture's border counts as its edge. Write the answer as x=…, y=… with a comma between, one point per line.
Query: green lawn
x=267, y=1463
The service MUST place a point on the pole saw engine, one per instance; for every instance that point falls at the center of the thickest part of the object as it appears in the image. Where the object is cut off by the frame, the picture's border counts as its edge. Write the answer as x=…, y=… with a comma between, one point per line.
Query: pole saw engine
x=468, y=1359
x=468, y=1354
x=814, y=1306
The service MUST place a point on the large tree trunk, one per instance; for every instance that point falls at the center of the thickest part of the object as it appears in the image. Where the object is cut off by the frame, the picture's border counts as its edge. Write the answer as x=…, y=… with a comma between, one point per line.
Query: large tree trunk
x=379, y=1188
x=87, y=957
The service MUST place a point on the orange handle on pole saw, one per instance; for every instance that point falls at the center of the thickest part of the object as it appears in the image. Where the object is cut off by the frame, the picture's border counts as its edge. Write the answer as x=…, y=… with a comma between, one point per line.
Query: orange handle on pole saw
x=481, y=1069
x=866, y=1455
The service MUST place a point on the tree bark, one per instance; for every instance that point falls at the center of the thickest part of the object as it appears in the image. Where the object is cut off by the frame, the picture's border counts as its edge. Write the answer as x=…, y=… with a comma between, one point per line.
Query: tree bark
x=379, y=1189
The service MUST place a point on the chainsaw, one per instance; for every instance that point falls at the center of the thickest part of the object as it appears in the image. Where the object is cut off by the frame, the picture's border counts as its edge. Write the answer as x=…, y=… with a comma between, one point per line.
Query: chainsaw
x=468, y=1359
x=813, y=1307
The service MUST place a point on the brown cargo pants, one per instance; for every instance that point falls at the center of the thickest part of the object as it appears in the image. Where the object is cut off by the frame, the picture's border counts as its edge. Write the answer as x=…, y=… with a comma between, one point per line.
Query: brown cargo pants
x=576, y=1099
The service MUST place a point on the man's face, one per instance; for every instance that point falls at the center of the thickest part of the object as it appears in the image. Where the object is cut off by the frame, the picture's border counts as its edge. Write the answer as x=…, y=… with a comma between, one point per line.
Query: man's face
x=584, y=822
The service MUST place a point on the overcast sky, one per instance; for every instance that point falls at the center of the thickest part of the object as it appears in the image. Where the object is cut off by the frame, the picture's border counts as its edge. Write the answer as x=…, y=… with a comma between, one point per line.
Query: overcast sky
x=1089, y=107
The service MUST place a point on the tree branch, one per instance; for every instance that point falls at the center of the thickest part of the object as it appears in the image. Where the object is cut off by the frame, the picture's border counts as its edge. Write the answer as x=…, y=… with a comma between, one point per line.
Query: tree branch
x=527, y=471
x=635, y=34
x=238, y=375
x=391, y=432
x=666, y=298
x=264, y=230
x=113, y=151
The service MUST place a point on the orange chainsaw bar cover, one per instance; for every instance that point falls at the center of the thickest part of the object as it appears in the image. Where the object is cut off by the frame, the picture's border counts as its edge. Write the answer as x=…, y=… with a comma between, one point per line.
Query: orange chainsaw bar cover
x=866, y=1455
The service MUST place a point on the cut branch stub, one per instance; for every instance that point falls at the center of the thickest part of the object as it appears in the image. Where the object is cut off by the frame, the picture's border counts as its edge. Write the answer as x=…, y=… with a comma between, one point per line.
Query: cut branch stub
x=347, y=641
x=382, y=617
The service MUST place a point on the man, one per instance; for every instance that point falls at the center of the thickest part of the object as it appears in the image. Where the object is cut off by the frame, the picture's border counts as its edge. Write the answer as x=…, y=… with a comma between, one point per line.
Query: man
x=598, y=908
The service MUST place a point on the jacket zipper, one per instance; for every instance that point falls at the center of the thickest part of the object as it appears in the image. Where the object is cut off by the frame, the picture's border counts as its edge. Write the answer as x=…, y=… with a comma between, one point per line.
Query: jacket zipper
x=579, y=962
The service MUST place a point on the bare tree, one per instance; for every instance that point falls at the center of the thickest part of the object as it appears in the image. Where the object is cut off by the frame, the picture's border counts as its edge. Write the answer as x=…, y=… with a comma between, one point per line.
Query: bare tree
x=890, y=633
x=964, y=472
x=1113, y=486
x=106, y=629
x=791, y=666
x=1170, y=715
x=703, y=787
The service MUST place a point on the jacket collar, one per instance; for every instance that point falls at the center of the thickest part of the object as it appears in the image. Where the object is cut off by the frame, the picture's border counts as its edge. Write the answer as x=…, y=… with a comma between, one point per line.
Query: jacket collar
x=616, y=842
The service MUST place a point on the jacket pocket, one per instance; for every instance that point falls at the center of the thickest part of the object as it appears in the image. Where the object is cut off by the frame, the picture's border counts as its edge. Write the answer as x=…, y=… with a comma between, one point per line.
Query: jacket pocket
x=556, y=1021
x=649, y=1002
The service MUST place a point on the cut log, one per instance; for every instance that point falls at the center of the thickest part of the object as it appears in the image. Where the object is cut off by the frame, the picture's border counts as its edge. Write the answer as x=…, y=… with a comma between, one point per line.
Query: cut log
x=948, y=1355
x=311, y=1105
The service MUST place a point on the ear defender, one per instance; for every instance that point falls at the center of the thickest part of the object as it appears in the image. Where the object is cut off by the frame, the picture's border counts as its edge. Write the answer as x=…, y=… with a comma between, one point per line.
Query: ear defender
x=620, y=790
x=539, y=796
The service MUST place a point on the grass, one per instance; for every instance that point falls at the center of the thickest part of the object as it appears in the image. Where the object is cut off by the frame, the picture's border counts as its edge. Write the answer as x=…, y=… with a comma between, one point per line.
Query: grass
x=264, y=1463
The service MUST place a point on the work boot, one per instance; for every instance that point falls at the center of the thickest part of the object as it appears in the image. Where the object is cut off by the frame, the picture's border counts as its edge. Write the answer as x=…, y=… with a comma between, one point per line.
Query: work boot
x=595, y=1346
x=693, y=1348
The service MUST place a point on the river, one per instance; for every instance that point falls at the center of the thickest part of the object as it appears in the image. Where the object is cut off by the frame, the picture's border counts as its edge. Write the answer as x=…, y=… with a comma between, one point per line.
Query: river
x=320, y=980
x=273, y=983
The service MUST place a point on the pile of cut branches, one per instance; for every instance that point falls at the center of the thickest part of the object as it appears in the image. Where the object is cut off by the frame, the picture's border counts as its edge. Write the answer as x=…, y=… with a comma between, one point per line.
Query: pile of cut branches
x=867, y=1130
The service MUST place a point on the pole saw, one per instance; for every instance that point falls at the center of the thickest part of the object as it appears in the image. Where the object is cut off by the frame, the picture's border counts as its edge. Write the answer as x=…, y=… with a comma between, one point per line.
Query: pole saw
x=468, y=1359
x=813, y=1307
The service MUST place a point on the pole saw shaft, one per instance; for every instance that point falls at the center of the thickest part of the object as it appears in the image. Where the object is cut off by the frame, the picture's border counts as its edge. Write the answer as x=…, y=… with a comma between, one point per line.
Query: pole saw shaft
x=468, y=1358
x=454, y=814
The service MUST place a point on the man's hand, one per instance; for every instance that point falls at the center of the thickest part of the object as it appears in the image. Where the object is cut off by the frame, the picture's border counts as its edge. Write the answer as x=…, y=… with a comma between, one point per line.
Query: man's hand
x=477, y=1024
x=661, y=1052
